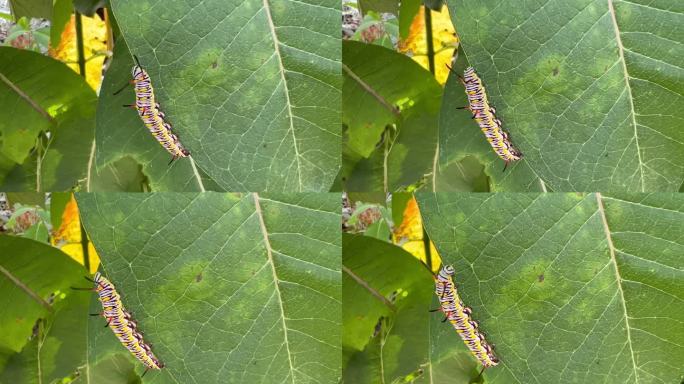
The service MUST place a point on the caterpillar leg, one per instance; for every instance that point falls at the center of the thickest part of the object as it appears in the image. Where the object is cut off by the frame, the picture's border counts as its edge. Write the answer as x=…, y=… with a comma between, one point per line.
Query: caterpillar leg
x=445, y=319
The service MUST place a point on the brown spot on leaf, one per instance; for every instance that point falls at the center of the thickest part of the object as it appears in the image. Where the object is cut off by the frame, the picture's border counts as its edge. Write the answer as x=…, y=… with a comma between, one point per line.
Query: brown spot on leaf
x=214, y=64
x=555, y=71
x=541, y=278
x=198, y=278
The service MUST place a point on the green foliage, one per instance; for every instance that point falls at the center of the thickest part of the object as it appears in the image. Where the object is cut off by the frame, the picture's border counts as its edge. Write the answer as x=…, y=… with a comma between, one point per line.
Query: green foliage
x=58, y=348
x=252, y=91
x=45, y=134
x=385, y=89
x=31, y=272
x=127, y=155
x=569, y=287
x=591, y=93
x=216, y=300
x=385, y=311
x=31, y=8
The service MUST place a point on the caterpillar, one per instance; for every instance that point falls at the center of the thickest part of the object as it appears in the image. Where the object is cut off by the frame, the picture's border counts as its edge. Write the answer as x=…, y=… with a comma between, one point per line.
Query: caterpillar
x=121, y=322
x=459, y=316
x=485, y=116
x=151, y=114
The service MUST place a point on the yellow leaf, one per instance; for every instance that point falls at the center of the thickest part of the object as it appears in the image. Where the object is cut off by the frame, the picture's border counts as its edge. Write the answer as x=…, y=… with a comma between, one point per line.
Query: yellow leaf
x=94, y=47
x=68, y=237
x=444, y=40
x=409, y=235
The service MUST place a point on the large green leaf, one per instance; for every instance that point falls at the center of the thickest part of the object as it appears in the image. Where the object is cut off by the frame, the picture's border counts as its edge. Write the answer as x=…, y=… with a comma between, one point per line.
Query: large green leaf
x=251, y=87
x=30, y=271
x=40, y=95
x=226, y=287
x=386, y=300
x=590, y=90
x=124, y=144
x=569, y=287
x=384, y=88
x=57, y=350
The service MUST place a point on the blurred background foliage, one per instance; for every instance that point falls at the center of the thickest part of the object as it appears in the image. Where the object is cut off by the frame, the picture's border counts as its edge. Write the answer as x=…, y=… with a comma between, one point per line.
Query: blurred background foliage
x=43, y=251
x=392, y=94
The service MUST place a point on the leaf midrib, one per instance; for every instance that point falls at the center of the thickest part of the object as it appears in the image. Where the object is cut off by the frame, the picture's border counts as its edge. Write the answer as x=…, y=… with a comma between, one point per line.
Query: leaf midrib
x=632, y=111
x=290, y=116
x=611, y=248
x=269, y=253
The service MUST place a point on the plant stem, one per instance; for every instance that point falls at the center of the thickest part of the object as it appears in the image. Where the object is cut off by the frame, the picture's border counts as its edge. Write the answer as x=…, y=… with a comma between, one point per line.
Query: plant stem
x=79, y=45
x=428, y=33
x=84, y=247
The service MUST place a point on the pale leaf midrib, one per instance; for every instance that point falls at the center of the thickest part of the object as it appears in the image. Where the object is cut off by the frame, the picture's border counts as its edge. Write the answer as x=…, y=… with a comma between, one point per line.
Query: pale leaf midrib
x=269, y=253
x=611, y=248
x=290, y=116
x=621, y=52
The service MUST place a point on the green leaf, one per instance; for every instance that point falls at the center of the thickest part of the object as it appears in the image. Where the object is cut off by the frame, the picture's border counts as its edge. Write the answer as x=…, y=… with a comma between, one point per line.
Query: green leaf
x=408, y=9
x=380, y=6
x=252, y=88
x=461, y=141
x=29, y=272
x=386, y=300
x=61, y=15
x=46, y=96
x=383, y=88
x=127, y=155
x=226, y=287
x=88, y=7
x=569, y=287
x=591, y=92
x=41, y=9
x=57, y=350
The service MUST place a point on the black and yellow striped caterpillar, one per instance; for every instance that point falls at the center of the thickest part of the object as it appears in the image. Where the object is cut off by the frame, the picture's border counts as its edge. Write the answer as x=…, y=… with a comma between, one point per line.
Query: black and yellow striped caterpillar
x=151, y=114
x=485, y=116
x=459, y=316
x=121, y=322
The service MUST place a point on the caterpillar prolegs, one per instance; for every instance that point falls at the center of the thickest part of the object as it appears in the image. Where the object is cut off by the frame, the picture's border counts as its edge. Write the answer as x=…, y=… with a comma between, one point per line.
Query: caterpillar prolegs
x=121, y=322
x=459, y=317
x=485, y=116
x=151, y=114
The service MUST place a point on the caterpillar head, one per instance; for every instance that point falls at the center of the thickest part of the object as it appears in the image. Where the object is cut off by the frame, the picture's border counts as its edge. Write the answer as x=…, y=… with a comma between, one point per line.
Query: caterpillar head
x=185, y=152
x=449, y=270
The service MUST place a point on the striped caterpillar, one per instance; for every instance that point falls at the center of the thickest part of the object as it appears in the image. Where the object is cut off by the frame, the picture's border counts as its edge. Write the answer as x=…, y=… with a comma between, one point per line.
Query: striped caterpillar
x=459, y=316
x=151, y=114
x=121, y=322
x=485, y=116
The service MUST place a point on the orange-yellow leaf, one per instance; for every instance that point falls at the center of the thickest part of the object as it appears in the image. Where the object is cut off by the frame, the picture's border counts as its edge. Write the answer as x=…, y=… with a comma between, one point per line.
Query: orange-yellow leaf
x=68, y=237
x=94, y=47
x=409, y=235
x=444, y=41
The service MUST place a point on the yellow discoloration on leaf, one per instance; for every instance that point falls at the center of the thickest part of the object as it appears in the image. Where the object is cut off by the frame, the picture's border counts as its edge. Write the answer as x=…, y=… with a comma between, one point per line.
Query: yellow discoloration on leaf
x=409, y=235
x=68, y=236
x=94, y=45
x=444, y=40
